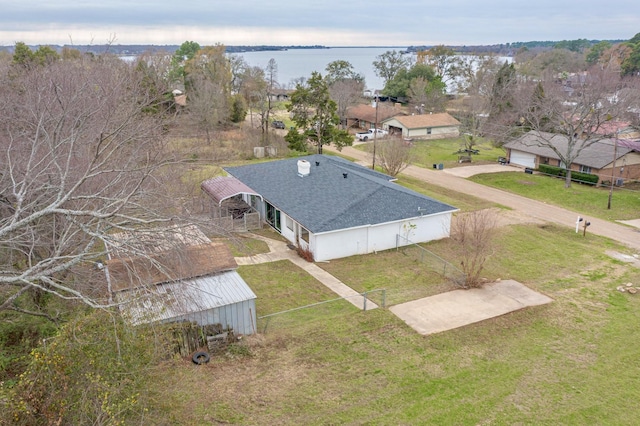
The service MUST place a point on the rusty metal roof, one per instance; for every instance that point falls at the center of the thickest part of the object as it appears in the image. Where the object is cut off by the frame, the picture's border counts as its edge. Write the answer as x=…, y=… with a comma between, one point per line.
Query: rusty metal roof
x=222, y=187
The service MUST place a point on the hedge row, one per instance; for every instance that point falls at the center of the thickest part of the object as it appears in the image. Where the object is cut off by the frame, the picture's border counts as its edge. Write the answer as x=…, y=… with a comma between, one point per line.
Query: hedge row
x=580, y=177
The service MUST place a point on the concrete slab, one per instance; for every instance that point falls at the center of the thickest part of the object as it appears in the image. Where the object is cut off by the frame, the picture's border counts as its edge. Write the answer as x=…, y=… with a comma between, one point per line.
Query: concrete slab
x=468, y=171
x=458, y=308
x=635, y=222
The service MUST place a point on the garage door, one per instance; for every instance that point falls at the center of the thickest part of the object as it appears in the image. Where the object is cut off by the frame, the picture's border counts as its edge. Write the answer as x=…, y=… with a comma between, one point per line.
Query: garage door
x=523, y=159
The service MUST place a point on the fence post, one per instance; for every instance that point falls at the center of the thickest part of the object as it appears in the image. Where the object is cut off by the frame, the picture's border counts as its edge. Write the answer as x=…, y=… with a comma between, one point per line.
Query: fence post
x=364, y=305
x=384, y=298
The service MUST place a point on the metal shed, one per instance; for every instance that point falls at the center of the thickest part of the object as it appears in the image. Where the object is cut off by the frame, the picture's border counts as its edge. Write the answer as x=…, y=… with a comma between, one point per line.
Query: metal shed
x=223, y=298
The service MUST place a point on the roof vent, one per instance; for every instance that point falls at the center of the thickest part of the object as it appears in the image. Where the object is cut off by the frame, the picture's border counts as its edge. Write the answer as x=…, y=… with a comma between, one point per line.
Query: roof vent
x=317, y=163
x=344, y=175
x=304, y=167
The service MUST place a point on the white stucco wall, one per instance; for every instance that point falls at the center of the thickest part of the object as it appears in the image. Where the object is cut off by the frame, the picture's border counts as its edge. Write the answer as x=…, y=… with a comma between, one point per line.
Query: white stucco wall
x=370, y=239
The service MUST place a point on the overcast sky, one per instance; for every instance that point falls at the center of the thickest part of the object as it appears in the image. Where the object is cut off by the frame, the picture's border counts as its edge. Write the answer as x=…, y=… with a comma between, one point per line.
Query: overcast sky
x=324, y=22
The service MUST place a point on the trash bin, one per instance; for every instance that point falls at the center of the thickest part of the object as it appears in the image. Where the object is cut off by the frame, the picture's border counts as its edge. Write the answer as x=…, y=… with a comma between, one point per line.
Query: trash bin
x=435, y=166
x=528, y=171
x=440, y=166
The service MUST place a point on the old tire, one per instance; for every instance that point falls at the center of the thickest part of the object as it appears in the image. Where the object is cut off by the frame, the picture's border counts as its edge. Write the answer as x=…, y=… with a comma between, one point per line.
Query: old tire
x=201, y=357
x=365, y=138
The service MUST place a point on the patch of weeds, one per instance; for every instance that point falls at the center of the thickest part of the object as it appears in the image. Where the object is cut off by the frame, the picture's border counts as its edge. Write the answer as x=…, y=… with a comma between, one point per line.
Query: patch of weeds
x=238, y=350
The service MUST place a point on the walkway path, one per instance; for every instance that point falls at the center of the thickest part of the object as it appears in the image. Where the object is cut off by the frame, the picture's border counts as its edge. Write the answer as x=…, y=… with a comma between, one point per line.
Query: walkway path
x=536, y=209
x=279, y=250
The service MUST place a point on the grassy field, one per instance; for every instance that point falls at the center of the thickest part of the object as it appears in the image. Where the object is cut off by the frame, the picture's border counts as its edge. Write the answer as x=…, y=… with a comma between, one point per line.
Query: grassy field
x=625, y=202
x=427, y=153
x=570, y=362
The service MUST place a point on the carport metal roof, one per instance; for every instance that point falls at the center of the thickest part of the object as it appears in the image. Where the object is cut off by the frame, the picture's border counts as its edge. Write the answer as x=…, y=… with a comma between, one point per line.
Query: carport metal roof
x=222, y=187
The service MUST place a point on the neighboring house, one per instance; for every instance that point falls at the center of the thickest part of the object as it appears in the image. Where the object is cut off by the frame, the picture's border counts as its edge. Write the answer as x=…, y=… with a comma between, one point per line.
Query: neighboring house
x=598, y=158
x=365, y=116
x=277, y=95
x=335, y=208
x=423, y=126
x=194, y=280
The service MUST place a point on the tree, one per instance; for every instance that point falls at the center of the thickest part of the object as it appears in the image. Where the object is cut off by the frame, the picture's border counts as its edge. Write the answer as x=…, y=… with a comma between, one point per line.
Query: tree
x=399, y=86
x=477, y=79
x=238, y=109
x=443, y=60
x=82, y=161
x=426, y=96
x=208, y=75
x=631, y=63
x=314, y=113
x=22, y=55
x=473, y=233
x=393, y=155
x=596, y=51
x=503, y=110
x=341, y=70
x=551, y=63
x=183, y=54
x=345, y=86
x=579, y=119
x=389, y=64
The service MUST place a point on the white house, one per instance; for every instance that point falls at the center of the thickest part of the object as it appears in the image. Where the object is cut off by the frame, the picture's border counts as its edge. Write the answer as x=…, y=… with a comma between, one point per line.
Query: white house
x=423, y=126
x=335, y=208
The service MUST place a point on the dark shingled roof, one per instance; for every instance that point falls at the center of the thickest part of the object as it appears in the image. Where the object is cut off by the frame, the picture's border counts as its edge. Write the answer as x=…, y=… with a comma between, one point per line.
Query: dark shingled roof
x=326, y=201
x=598, y=154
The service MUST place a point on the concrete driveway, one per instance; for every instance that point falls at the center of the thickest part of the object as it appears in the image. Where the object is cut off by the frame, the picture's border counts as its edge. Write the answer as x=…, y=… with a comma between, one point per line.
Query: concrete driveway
x=458, y=308
x=468, y=171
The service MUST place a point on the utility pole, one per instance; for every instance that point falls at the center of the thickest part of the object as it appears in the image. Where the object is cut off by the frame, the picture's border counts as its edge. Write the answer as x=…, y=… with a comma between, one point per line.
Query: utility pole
x=375, y=134
x=613, y=169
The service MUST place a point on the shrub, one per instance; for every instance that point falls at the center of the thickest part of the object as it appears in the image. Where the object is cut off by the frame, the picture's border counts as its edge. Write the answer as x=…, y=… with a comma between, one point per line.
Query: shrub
x=580, y=177
x=97, y=370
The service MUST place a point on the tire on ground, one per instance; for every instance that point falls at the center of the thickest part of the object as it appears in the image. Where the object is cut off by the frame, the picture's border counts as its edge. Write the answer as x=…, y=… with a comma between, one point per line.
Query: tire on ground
x=200, y=357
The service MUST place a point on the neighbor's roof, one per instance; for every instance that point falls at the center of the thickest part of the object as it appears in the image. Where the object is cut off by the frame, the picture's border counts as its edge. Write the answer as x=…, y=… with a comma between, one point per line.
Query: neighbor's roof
x=325, y=201
x=597, y=155
x=169, y=265
x=173, y=300
x=426, y=120
x=222, y=187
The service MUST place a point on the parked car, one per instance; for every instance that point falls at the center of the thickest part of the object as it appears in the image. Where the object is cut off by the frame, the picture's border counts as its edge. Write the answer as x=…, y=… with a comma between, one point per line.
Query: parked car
x=277, y=124
x=369, y=134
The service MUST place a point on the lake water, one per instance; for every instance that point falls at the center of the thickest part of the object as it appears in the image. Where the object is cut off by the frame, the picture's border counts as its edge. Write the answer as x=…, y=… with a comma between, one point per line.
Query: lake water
x=296, y=63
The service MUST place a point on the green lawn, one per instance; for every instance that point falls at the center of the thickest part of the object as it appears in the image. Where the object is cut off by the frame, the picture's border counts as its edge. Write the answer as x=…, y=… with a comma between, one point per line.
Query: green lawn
x=569, y=362
x=428, y=153
x=625, y=203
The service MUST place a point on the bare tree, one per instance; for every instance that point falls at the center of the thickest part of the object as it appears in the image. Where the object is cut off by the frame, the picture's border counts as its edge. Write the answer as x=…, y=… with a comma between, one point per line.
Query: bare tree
x=578, y=116
x=209, y=77
x=477, y=77
x=345, y=93
x=426, y=97
x=393, y=155
x=474, y=235
x=83, y=158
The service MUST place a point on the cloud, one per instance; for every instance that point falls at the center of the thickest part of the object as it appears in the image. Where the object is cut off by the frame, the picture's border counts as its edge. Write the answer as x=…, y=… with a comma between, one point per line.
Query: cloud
x=328, y=22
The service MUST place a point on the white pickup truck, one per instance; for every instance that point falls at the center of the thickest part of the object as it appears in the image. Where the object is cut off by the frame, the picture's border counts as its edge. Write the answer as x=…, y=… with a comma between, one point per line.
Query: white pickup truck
x=369, y=134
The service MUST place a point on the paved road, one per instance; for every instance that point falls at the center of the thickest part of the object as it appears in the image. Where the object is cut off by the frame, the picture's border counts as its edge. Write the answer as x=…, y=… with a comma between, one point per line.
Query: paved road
x=536, y=209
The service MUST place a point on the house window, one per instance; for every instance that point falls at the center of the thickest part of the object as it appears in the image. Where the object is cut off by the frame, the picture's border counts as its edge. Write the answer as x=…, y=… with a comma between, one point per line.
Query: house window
x=304, y=234
x=272, y=216
x=585, y=169
x=289, y=223
x=428, y=130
